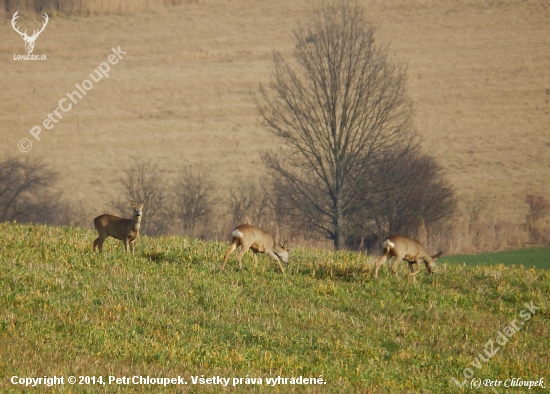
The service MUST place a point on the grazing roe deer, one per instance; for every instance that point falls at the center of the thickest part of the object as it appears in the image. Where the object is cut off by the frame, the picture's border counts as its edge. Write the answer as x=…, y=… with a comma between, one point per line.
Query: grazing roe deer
x=407, y=249
x=250, y=237
x=126, y=230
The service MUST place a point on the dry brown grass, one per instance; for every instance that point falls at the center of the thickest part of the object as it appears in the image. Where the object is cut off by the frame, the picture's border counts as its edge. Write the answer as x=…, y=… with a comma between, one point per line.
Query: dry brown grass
x=88, y=7
x=478, y=74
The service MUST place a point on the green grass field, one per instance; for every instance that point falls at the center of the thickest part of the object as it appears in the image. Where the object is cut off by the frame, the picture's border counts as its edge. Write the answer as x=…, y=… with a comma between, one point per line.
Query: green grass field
x=536, y=257
x=168, y=311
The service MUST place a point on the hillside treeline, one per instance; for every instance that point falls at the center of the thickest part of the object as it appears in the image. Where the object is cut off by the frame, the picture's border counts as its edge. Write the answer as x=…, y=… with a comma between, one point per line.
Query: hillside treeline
x=191, y=205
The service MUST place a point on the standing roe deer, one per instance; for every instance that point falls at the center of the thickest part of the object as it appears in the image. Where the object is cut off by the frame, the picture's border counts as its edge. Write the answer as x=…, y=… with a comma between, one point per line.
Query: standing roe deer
x=407, y=249
x=126, y=230
x=250, y=237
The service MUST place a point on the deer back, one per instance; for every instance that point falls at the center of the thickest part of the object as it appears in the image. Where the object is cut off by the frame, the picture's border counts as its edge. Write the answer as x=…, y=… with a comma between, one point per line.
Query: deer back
x=115, y=226
x=410, y=248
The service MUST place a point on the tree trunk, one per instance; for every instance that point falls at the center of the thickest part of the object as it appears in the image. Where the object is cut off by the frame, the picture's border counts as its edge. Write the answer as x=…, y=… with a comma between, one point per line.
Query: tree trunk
x=339, y=241
x=339, y=236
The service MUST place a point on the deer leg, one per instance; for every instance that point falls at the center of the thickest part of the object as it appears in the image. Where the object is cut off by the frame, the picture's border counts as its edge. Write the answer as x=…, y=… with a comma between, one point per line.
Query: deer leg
x=417, y=264
x=413, y=273
x=229, y=251
x=398, y=259
x=381, y=261
x=274, y=256
x=99, y=242
x=125, y=240
x=244, y=249
x=132, y=246
x=255, y=257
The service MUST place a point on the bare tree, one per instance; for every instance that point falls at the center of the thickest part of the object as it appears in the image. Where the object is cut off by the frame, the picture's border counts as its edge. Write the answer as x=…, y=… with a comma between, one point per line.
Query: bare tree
x=337, y=109
x=27, y=191
x=413, y=193
x=194, y=201
x=249, y=204
x=539, y=209
x=143, y=182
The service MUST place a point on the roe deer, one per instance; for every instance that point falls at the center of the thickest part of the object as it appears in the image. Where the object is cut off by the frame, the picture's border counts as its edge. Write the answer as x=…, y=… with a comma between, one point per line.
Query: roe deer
x=126, y=230
x=407, y=249
x=250, y=237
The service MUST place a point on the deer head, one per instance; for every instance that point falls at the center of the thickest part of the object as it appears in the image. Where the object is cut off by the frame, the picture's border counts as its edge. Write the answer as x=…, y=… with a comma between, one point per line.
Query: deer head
x=29, y=41
x=138, y=210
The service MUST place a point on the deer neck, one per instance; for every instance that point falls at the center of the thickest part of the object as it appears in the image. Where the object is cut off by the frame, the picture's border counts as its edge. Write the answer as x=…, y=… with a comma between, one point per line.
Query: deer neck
x=136, y=224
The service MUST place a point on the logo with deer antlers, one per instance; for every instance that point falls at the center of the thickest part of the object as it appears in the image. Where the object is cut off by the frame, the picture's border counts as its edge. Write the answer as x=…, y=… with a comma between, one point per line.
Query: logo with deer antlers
x=29, y=41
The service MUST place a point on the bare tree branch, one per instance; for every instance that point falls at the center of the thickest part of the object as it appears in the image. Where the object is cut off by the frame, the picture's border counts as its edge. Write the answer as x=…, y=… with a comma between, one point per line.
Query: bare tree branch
x=27, y=191
x=249, y=204
x=193, y=197
x=338, y=108
x=143, y=182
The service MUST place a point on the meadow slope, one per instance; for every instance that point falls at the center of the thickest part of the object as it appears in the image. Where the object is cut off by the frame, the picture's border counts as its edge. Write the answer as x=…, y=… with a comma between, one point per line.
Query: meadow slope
x=479, y=75
x=168, y=311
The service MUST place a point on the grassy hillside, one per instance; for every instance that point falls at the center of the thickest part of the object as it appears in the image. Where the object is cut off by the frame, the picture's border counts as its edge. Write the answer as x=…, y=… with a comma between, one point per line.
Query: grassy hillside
x=168, y=311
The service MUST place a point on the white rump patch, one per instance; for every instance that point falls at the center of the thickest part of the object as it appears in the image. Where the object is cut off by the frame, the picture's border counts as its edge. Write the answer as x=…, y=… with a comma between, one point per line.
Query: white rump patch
x=388, y=244
x=237, y=234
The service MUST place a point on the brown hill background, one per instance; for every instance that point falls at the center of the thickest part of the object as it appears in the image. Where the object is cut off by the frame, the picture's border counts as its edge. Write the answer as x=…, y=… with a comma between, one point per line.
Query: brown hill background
x=479, y=76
